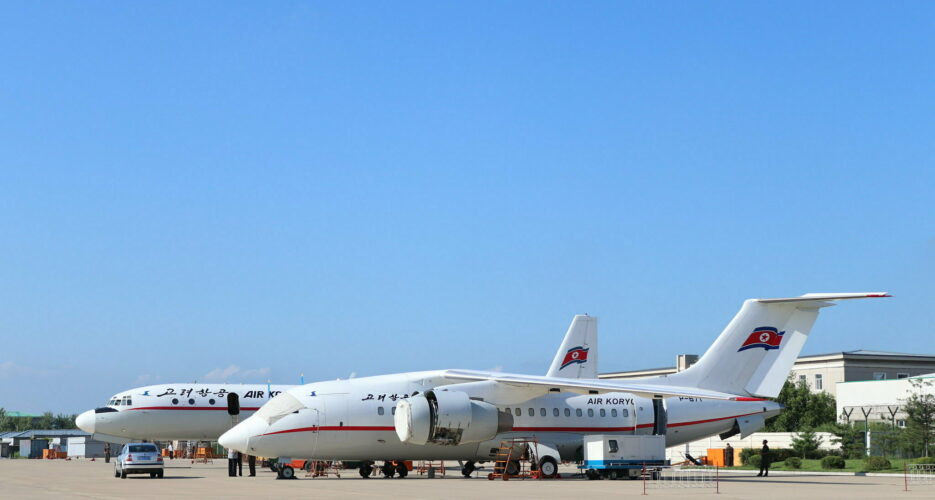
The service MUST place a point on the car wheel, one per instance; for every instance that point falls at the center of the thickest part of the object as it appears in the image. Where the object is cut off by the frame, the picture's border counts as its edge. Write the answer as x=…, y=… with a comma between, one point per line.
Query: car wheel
x=288, y=472
x=548, y=468
x=160, y=474
x=123, y=474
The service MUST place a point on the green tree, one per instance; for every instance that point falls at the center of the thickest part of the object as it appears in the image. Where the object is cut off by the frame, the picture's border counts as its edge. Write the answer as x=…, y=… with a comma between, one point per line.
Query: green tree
x=920, y=415
x=885, y=439
x=806, y=443
x=848, y=437
x=804, y=409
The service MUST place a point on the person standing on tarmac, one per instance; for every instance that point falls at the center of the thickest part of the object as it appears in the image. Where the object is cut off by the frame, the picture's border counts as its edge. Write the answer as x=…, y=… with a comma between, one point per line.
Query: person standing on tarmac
x=106, y=453
x=729, y=456
x=231, y=462
x=764, y=460
x=240, y=464
x=251, y=461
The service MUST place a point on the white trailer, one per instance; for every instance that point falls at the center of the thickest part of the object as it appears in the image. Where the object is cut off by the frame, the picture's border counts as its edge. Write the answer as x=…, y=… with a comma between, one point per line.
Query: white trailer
x=622, y=455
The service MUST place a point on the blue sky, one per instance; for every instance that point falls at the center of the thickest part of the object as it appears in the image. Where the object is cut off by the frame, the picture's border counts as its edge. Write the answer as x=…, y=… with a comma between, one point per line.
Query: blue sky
x=243, y=191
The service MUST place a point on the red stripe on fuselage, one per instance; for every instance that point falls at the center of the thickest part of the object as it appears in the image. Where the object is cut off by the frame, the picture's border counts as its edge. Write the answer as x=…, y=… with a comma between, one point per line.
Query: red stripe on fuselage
x=515, y=429
x=219, y=408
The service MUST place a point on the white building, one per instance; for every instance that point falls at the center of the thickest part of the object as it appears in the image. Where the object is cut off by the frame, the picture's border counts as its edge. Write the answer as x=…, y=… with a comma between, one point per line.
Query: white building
x=878, y=400
x=823, y=372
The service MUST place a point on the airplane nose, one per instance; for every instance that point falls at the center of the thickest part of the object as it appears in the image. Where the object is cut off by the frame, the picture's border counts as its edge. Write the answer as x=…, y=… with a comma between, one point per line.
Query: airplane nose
x=238, y=437
x=86, y=421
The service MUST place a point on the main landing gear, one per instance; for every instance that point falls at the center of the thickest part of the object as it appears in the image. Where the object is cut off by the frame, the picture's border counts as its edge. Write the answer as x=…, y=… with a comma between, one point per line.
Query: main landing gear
x=395, y=468
x=366, y=468
x=468, y=469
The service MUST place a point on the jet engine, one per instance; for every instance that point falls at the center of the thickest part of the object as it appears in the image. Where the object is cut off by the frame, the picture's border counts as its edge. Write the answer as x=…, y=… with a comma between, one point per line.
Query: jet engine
x=448, y=418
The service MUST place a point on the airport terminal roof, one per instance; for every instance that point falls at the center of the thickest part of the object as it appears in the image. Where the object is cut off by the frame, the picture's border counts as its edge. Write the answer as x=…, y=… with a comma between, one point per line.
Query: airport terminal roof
x=43, y=433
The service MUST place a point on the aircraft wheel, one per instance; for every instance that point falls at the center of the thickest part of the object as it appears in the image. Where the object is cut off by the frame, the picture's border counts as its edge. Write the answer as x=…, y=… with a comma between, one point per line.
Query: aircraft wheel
x=512, y=468
x=287, y=472
x=401, y=469
x=365, y=470
x=388, y=469
x=468, y=469
x=548, y=468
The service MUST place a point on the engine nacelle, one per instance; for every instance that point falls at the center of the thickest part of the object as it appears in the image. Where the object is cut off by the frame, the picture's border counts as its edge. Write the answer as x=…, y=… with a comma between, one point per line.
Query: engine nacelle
x=448, y=418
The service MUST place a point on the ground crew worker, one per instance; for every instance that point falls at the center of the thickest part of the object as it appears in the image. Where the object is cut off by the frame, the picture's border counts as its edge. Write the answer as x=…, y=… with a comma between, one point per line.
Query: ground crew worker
x=764, y=460
x=171, y=450
x=239, y=464
x=251, y=461
x=729, y=456
x=231, y=462
x=106, y=453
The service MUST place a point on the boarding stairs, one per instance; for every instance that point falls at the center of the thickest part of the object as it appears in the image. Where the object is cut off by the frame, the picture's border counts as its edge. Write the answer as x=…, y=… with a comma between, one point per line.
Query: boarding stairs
x=513, y=458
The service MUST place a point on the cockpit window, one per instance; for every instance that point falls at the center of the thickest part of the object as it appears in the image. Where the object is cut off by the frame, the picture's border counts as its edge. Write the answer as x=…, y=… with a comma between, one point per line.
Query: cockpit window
x=279, y=407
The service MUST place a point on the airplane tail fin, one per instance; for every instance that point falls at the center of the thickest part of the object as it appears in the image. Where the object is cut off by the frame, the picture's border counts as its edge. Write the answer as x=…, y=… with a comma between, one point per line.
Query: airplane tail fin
x=755, y=352
x=577, y=356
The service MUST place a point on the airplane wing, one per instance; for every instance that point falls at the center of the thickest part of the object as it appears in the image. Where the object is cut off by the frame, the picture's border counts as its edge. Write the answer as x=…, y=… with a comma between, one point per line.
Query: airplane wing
x=585, y=386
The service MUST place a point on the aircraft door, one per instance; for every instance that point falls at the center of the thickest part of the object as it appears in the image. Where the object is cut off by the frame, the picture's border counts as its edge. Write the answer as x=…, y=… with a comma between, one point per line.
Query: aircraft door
x=334, y=416
x=233, y=404
x=660, y=417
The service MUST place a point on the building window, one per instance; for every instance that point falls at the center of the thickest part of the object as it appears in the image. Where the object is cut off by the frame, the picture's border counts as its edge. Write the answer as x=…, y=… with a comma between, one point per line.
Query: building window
x=818, y=382
x=879, y=375
x=901, y=424
x=803, y=379
x=902, y=375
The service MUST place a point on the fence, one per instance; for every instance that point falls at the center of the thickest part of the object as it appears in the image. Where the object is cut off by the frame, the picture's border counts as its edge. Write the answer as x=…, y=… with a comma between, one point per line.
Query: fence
x=681, y=477
x=918, y=474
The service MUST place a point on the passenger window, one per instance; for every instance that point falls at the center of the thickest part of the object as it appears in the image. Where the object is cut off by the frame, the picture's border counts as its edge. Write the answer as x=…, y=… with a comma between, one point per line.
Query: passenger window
x=508, y=410
x=567, y=412
x=554, y=412
x=603, y=413
x=175, y=401
x=590, y=412
x=613, y=412
x=393, y=410
x=191, y=401
x=541, y=412
x=532, y=412
x=519, y=413
x=613, y=445
x=380, y=410
x=625, y=412
x=578, y=412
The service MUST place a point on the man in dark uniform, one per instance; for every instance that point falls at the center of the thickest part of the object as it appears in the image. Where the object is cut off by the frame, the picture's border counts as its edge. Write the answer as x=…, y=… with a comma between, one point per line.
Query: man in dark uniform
x=106, y=453
x=231, y=463
x=729, y=456
x=764, y=460
x=240, y=464
x=251, y=461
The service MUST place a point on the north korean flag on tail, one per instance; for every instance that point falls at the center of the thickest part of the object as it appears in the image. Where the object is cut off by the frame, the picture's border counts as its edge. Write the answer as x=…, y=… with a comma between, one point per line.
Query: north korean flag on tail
x=575, y=355
x=766, y=337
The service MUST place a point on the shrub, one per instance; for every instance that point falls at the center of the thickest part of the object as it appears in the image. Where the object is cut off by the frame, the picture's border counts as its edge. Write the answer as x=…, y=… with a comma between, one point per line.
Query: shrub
x=753, y=460
x=876, y=463
x=793, y=463
x=775, y=455
x=832, y=462
x=924, y=460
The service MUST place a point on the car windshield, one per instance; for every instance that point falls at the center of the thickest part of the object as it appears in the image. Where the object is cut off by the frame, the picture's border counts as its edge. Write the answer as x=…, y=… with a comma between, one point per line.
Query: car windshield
x=142, y=448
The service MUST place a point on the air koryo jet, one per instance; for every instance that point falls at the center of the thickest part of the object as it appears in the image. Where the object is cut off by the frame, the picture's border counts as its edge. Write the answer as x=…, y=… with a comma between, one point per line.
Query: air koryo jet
x=202, y=412
x=464, y=414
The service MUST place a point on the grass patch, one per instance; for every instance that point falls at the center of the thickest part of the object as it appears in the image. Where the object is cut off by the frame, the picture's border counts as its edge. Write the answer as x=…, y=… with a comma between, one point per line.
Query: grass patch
x=852, y=465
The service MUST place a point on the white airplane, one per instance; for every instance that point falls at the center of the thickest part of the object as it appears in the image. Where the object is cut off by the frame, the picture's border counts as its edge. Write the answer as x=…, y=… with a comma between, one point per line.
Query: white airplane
x=464, y=414
x=191, y=411
x=186, y=411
